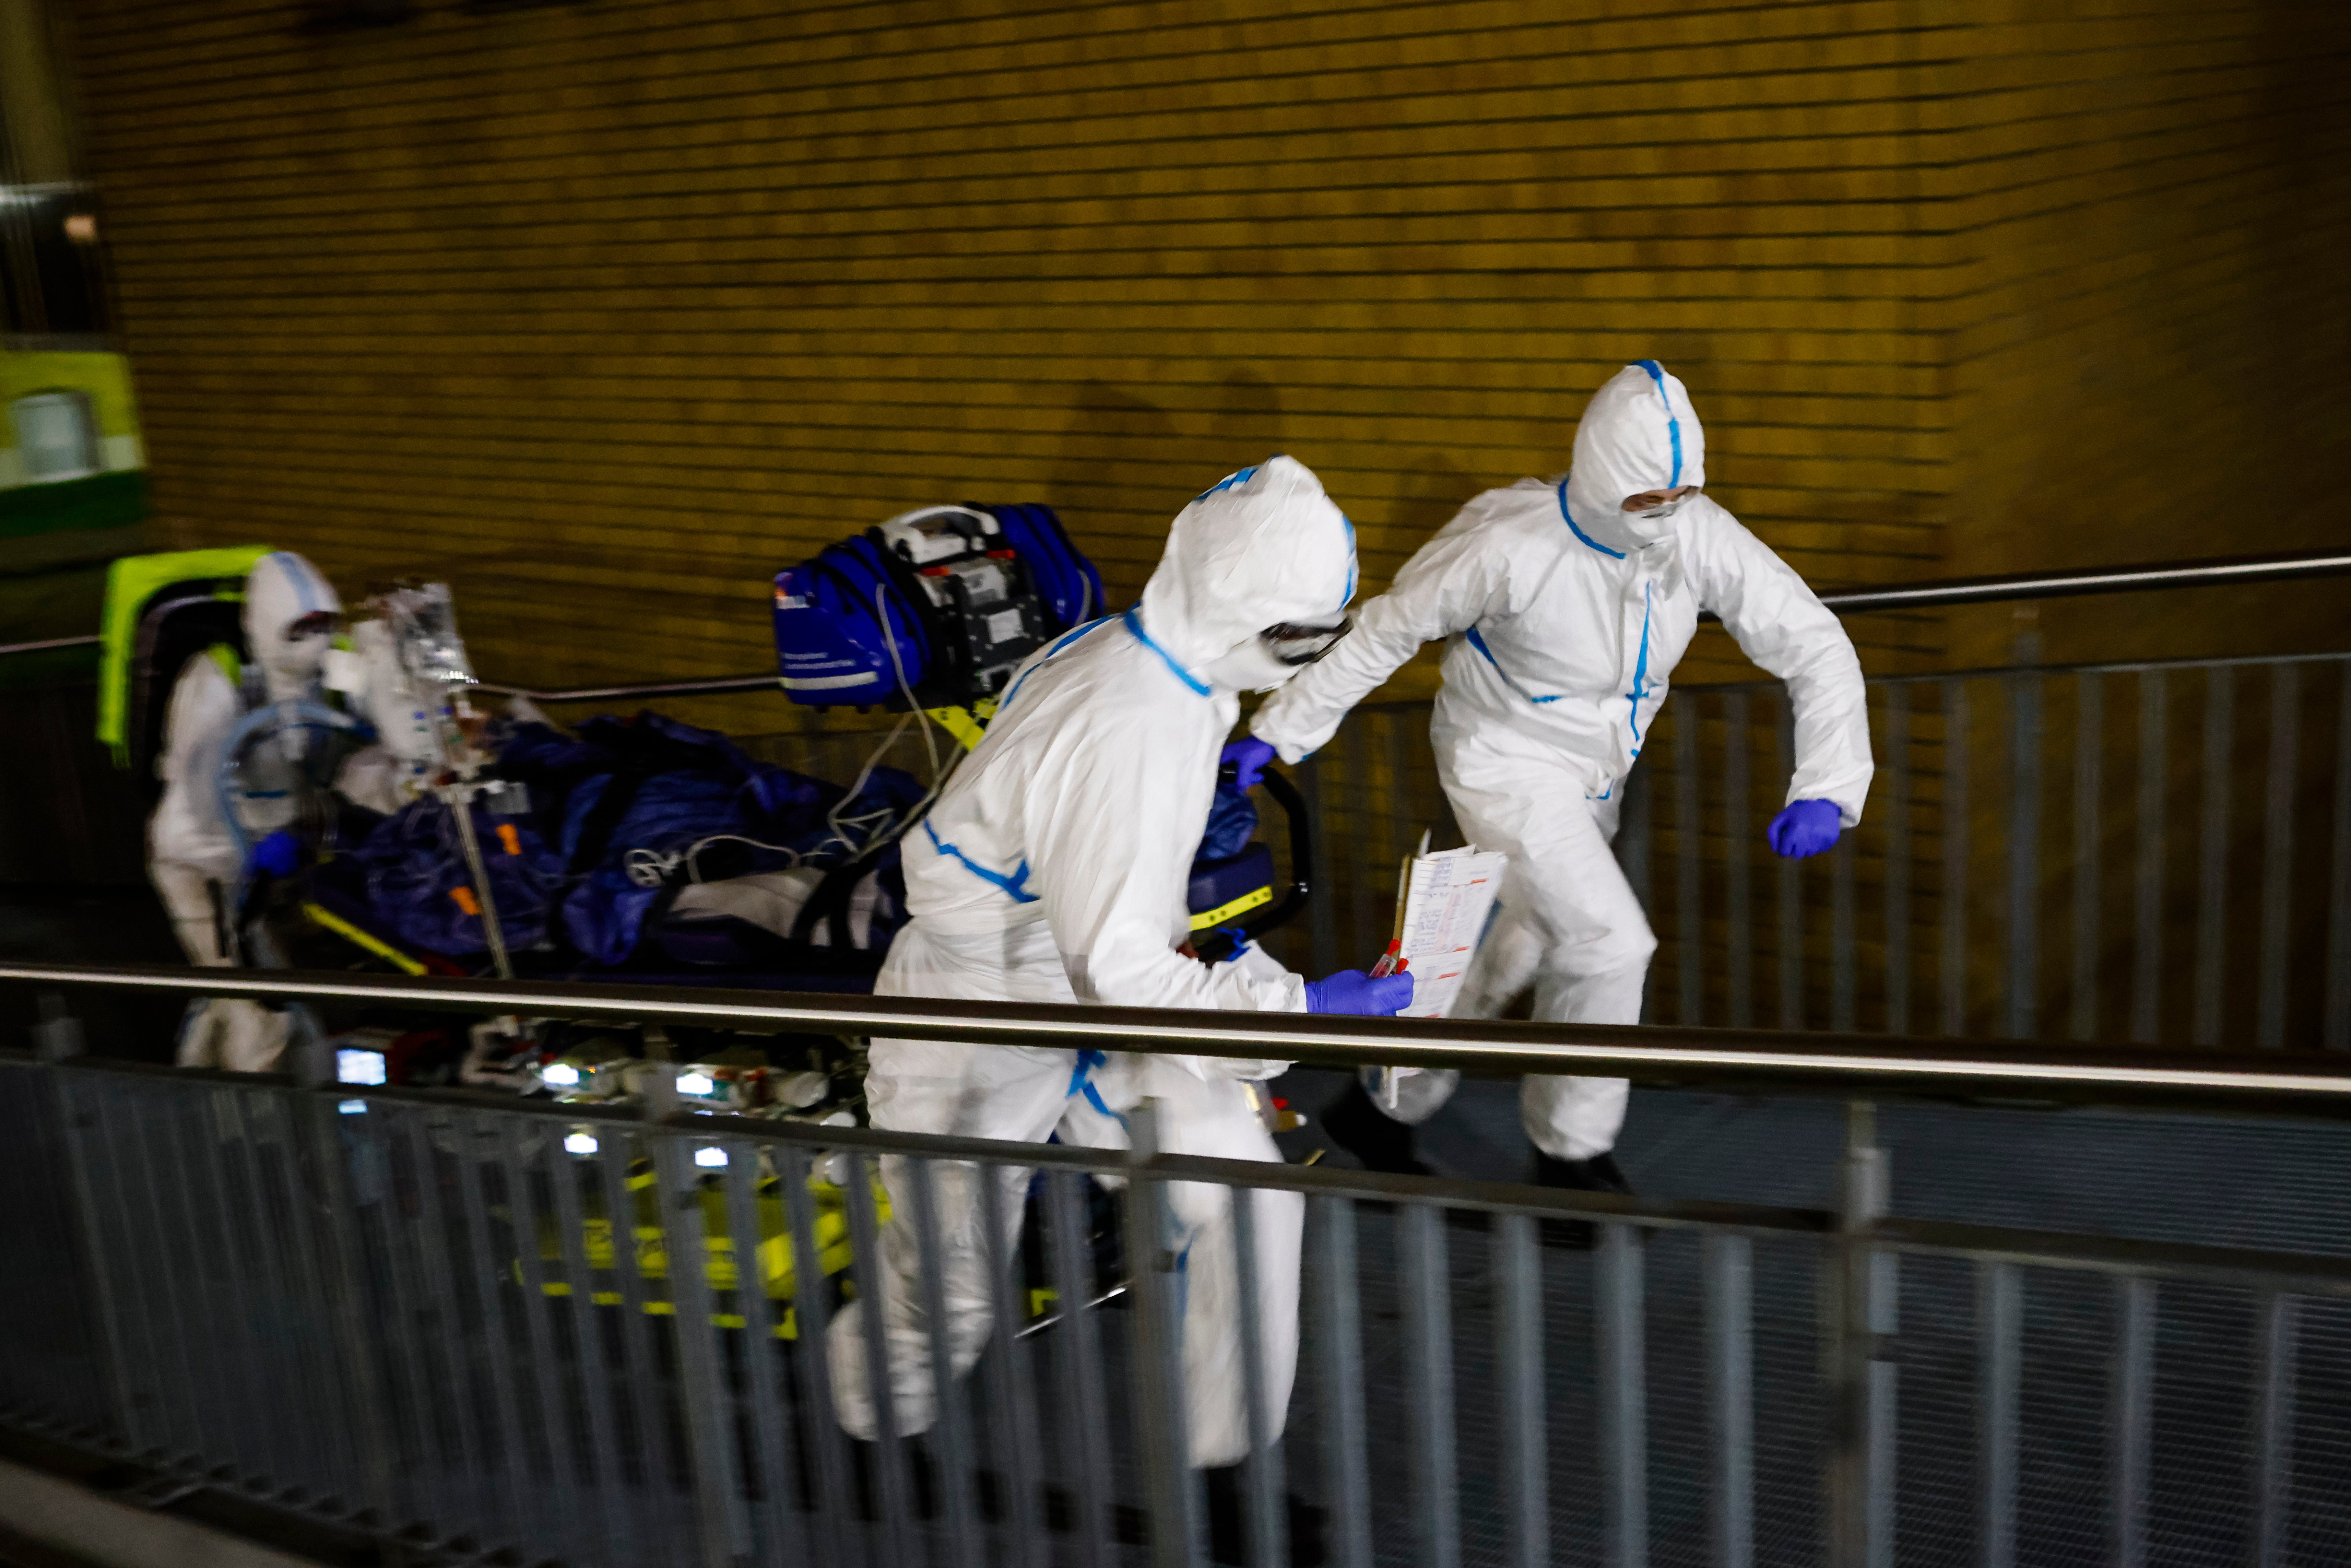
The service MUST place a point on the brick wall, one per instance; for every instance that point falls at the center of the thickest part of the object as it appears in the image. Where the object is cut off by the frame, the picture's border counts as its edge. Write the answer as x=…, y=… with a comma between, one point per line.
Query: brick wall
x=2148, y=341
x=609, y=310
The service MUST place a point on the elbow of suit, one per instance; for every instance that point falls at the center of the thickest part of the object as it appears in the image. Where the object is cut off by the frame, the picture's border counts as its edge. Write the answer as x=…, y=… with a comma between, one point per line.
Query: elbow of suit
x=1121, y=975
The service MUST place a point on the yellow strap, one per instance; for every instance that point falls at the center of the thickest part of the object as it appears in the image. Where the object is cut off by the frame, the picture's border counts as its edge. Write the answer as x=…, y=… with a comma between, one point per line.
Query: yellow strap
x=787, y=1328
x=961, y=723
x=1224, y=912
x=351, y=933
x=225, y=657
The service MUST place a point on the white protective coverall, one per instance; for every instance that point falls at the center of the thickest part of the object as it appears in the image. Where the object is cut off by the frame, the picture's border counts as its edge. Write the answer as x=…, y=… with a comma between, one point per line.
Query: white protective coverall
x=192, y=854
x=1563, y=616
x=1053, y=869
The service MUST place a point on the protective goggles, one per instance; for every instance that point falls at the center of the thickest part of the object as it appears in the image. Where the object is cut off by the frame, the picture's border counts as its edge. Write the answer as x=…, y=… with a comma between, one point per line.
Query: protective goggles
x=318, y=623
x=1299, y=645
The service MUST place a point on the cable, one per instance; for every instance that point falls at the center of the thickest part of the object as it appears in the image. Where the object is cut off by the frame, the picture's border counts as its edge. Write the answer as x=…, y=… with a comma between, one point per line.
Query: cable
x=833, y=819
x=938, y=779
x=860, y=835
x=890, y=641
x=651, y=868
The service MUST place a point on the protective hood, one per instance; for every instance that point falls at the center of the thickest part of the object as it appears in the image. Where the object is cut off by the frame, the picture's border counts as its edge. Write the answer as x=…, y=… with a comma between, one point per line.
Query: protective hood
x=1263, y=547
x=1639, y=433
x=281, y=589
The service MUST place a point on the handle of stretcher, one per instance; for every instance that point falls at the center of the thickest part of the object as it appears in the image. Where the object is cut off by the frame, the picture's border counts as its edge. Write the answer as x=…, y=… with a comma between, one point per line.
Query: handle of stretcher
x=1302, y=852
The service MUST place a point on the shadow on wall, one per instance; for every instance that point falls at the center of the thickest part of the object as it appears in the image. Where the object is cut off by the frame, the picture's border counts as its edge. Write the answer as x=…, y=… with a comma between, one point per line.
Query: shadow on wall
x=1122, y=455
x=1435, y=490
x=1127, y=458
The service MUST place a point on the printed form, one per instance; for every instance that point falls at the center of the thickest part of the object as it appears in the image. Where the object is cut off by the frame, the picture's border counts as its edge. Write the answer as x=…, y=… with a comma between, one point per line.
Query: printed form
x=1448, y=898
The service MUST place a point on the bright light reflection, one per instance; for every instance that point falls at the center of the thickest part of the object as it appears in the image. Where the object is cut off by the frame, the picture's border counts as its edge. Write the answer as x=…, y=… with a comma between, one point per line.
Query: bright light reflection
x=580, y=1144
x=353, y=1107
x=562, y=1075
x=696, y=1084
x=713, y=1159
x=356, y=1066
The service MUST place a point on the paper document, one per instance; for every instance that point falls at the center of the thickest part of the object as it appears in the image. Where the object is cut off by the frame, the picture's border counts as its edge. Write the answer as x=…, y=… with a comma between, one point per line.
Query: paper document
x=1447, y=897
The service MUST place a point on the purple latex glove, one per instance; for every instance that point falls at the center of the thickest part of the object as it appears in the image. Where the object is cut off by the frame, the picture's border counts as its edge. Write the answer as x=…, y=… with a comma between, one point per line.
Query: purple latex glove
x=1250, y=757
x=278, y=854
x=1357, y=995
x=1804, y=828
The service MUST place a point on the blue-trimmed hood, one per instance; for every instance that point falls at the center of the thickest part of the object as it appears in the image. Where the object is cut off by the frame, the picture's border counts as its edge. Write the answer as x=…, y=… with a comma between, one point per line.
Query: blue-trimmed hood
x=281, y=589
x=1638, y=433
x=1264, y=545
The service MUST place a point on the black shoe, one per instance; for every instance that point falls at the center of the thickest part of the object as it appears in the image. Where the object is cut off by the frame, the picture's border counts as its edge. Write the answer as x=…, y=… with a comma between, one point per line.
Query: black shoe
x=865, y=1483
x=1598, y=1174
x=1126, y=1521
x=1229, y=1511
x=1377, y=1139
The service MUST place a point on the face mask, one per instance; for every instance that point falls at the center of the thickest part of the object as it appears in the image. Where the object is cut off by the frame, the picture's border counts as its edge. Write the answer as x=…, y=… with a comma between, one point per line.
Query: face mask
x=1251, y=667
x=1652, y=524
x=1275, y=655
x=294, y=661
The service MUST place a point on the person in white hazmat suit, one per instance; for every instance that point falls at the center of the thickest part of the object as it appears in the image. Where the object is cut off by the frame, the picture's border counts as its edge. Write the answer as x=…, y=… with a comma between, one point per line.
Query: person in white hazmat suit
x=197, y=857
x=1053, y=869
x=1565, y=605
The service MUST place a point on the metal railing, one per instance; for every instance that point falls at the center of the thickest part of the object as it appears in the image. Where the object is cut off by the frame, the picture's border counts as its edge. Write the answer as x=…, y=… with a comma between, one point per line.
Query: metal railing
x=2215, y=573
x=468, y=1324
x=2008, y=879
x=1942, y=594
x=1970, y=915
x=2305, y=1084
x=2155, y=851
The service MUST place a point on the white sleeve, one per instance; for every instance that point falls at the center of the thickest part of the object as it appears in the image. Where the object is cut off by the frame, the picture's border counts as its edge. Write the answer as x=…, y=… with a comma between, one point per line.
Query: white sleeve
x=1781, y=625
x=1448, y=585
x=1113, y=819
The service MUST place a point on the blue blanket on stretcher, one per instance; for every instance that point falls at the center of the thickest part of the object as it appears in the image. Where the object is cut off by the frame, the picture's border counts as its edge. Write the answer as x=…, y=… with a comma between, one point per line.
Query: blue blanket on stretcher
x=627, y=811
x=619, y=814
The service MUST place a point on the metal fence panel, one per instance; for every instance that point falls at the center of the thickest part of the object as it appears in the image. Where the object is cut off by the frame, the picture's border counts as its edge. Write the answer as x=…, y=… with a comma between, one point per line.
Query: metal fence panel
x=2045, y=902
x=559, y=1333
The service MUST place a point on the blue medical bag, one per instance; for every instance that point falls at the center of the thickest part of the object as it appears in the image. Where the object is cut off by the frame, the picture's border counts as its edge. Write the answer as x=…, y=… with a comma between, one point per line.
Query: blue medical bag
x=839, y=617
x=935, y=608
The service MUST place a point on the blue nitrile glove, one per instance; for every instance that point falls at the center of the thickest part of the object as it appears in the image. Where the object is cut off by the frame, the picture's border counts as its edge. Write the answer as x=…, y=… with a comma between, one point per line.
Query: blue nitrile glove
x=278, y=854
x=1250, y=757
x=1806, y=828
x=1356, y=994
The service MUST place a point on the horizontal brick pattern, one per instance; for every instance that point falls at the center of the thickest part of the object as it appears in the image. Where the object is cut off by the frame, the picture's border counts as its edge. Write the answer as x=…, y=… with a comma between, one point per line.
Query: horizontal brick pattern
x=608, y=310
x=2149, y=214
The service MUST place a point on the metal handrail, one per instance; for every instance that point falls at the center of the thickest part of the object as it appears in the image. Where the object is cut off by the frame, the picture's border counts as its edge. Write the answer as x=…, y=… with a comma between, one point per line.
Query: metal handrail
x=48, y=642
x=1948, y=591
x=2226, y=571
x=2318, y=1274
x=1974, y=673
x=2221, y=573
x=1998, y=672
x=2312, y=1084
x=716, y=685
